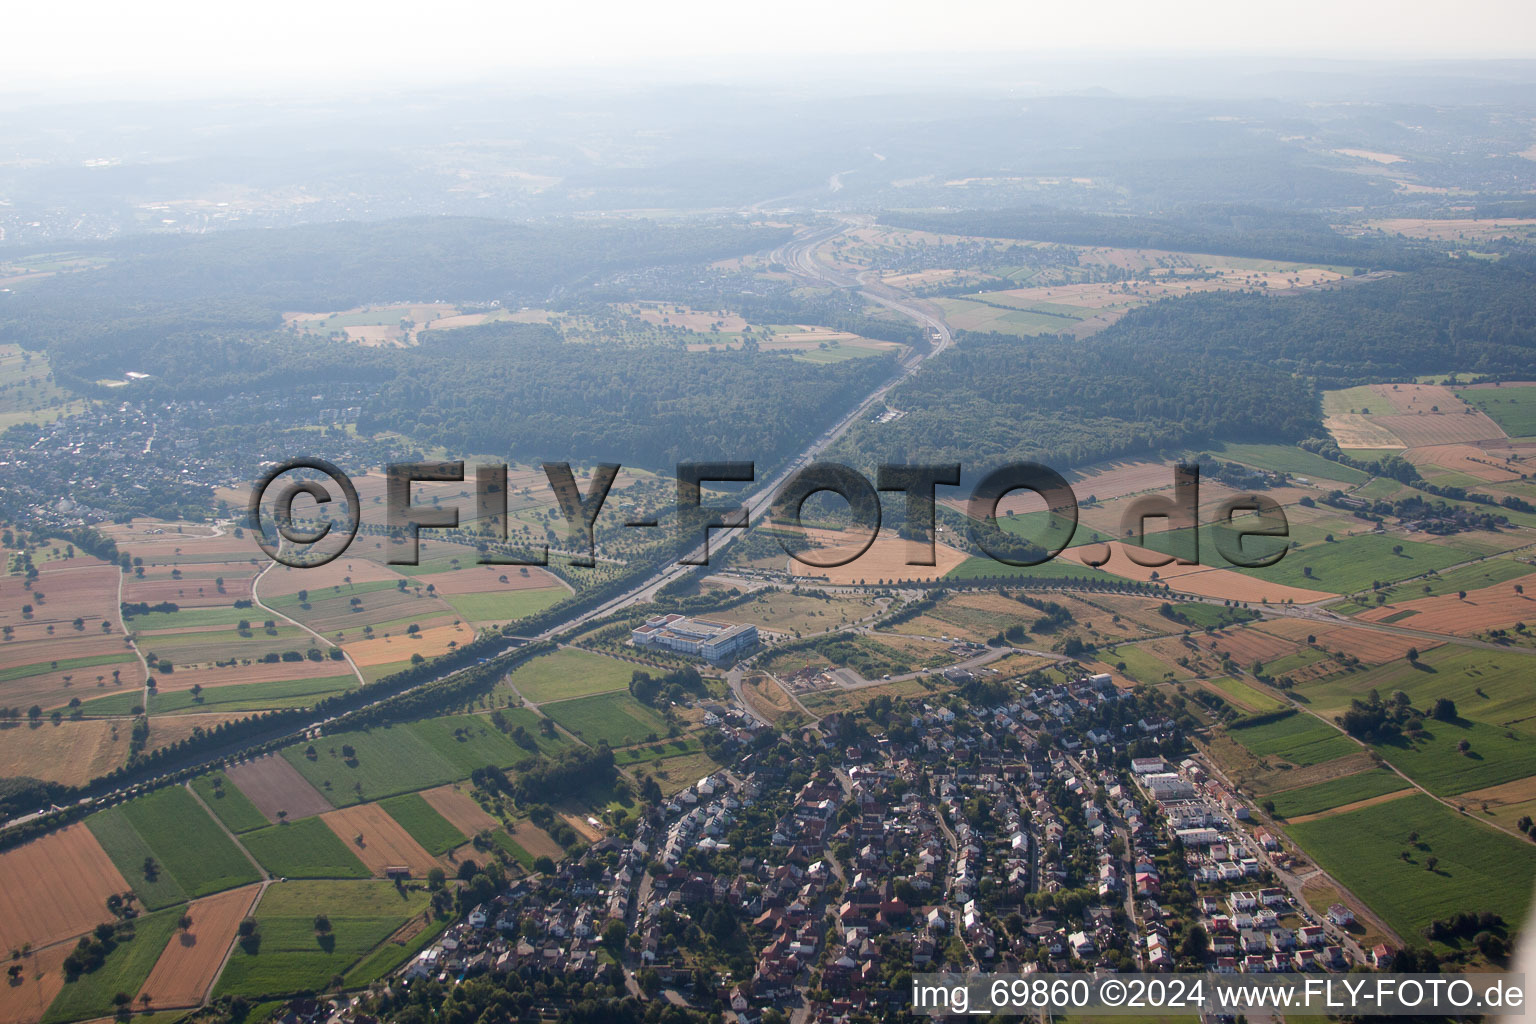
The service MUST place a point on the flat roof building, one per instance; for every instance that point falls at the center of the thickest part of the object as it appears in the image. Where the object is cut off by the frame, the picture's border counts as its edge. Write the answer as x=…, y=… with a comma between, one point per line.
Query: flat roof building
x=706, y=638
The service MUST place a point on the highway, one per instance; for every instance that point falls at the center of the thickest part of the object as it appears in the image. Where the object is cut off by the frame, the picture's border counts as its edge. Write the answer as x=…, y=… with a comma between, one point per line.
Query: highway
x=799, y=256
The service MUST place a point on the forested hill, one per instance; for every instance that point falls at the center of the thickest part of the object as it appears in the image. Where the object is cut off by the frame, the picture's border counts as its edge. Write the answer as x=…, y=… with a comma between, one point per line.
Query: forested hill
x=156, y=288
x=1221, y=230
x=508, y=388
x=1186, y=371
x=320, y=267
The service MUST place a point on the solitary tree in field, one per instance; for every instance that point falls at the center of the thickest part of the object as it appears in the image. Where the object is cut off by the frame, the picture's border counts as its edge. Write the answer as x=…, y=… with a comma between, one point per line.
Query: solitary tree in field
x=185, y=922
x=1430, y=862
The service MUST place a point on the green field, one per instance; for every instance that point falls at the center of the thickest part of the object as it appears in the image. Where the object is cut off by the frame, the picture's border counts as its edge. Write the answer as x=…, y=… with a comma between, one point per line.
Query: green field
x=128, y=849
x=1354, y=563
x=425, y=825
x=124, y=970
x=468, y=742
x=291, y=957
x=121, y=703
x=504, y=605
x=1355, y=399
x=389, y=760
x=1434, y=762
x=1297, y=738
x=187, y=842
x=1487, y=686
x=231, y=806
x=304, y=849
x=253, y=696
x=187, y=617
x=1477, y=869
x=570, y=673
x=1292, y=662
x=391, y=955
x=1282, y=458
x=1199, y=613
x=1293, y=803
x=65, y=664
x=1476, y=576
x=615, y=717
x=1141, y=666
x=1512, y=408
x=658, y=750
x=1249, y=696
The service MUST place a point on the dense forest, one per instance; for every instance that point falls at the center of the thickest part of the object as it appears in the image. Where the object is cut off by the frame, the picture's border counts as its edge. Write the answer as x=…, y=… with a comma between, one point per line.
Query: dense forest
x=1181, y=372
x=505, y=388
x=153, y=290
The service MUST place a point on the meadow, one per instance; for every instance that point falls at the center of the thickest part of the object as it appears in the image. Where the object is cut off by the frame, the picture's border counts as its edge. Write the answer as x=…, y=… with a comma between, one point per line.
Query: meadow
x=1512, y=408
x=1250, y=697
x=1435, y=762
x=231, y=806
x=1298, y=738
x=504, y=605
x=1354, y=563
x=189, y=844
x=252, y=696
x=615, y=718
x=1471, y=578
x=1141, y=665
x=422, y=821
x=1486, y=686
x=1476, y=869
x=1293, y=803
x=1291, y=460
x=387, y=761
x=291, y=957
x=468, y=742
x=303, y=849
x=124, y=970
x=392, y=954
x=128, y=850
x=570, y=673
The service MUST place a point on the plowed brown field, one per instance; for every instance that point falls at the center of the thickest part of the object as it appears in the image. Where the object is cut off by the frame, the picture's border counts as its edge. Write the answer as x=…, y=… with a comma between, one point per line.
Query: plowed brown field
x=42, y=978
x=55, y=887
x=460, y=809
x=273, y=785
x=191, y=959
x=384, y=843
x=487, y=578
x=1492, y=607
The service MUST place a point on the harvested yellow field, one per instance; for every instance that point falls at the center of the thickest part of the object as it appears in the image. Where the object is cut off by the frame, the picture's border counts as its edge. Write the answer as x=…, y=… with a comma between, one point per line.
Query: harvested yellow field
x=886, y=559
x=429, y=643
x=71, y=753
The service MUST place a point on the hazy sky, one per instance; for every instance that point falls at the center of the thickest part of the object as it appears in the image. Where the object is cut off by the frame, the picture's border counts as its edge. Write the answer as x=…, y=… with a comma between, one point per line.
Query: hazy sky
x=282, y=42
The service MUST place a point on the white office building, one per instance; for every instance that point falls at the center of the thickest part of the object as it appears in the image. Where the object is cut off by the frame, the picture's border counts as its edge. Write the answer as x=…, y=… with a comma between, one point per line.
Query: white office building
x=715, y=641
